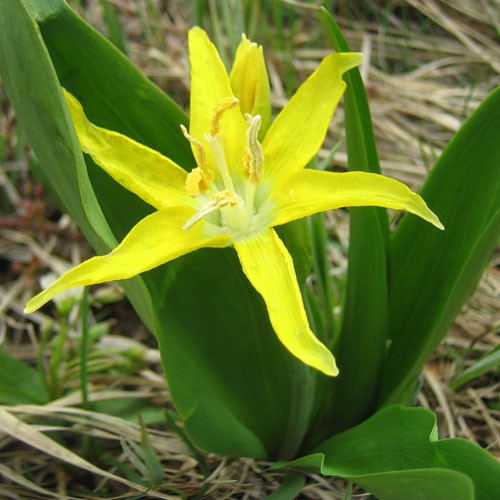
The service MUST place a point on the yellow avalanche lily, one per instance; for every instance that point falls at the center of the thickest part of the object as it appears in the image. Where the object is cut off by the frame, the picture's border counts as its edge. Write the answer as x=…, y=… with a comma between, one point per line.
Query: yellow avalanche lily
x=249, y=178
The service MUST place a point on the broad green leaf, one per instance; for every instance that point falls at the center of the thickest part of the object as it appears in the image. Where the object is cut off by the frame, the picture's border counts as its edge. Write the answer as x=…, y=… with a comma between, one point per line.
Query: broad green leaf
x=42, y=9
x=325, y=300
x=34, y=91
x=221, y=355
x=225, y=367
x=115, y=96
x=361, y=348
x=419, y=484
x=26, y=69
x=489, y=361
x=20, y=383
x=433, y=272
x=395, y=454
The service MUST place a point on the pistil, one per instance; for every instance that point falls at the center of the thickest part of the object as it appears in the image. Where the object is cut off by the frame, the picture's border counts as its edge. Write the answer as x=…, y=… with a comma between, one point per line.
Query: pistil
x=220, y=160
x=215, y=143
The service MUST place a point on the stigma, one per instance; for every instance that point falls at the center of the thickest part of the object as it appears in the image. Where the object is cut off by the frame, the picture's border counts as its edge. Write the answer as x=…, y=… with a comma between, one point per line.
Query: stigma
x=218, y=200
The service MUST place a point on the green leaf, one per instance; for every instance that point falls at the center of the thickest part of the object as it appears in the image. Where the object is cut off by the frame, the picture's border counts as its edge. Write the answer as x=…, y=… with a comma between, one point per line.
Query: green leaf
x=117, y=96
x=489, y=361
x=32, y=86
x=360, y=351
x=232, y=381
x=328, y=331
x=395, y=454
x=225, y=367
x=42, y=9
x=19, y=383
x=427, y=484
x=433, y=272
x=45, y=110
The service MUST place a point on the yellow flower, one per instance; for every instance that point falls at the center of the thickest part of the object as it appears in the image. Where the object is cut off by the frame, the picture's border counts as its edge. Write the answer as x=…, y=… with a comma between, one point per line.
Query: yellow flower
x=241, y=188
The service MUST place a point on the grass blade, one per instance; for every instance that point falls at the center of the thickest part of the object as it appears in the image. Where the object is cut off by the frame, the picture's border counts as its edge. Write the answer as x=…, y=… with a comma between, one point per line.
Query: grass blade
x=489, y=361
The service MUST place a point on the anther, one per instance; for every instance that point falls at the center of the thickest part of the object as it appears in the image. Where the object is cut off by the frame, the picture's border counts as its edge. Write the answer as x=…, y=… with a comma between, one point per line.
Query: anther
x=199, y=179
x=253, y=159
x=220, y=108
x=196, y=182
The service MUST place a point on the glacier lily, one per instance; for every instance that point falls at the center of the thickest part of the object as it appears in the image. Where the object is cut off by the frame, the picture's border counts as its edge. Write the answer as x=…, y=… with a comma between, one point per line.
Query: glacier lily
x=249, y=178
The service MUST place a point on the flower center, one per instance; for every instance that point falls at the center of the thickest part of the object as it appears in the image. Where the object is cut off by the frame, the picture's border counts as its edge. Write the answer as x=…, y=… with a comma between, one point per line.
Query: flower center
x=233, y=210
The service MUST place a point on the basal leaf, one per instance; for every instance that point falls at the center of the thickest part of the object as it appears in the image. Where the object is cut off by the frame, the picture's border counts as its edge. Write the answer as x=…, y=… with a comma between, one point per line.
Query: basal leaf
x=34, y=91
x=117, y=96
x=26, y=70
x=42, y=9
x=221, y=355
x=361, y=348
x=395, y=454
x=433, y=272
x=419, y=484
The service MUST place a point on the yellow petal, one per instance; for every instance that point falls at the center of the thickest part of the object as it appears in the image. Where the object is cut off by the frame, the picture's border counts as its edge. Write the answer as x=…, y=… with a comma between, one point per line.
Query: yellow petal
x=250, y=82
x=311, y=191
x=299, y=130
x=209, y=84
x=156, y=179
x=156, y=239
x=269, y=267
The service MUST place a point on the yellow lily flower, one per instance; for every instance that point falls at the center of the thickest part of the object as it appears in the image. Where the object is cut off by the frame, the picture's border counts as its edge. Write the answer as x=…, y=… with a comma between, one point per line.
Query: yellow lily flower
x=241, y=188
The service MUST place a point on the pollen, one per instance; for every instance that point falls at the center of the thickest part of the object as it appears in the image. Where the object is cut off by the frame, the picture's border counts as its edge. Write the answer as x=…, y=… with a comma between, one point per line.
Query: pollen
x=199, y=179
x=253, y=159
x=196, y=182
x=220, y=108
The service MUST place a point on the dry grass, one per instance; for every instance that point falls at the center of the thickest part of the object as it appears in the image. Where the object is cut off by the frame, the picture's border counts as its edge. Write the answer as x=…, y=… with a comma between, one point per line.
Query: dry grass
x=421, y=87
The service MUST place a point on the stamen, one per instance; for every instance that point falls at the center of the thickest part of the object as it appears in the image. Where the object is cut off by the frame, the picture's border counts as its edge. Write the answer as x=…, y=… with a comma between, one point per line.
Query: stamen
x=196, y=182
x=220, y=108
x=199, y=179
x=201, y=157
x=219, y=200
x=253, y=159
